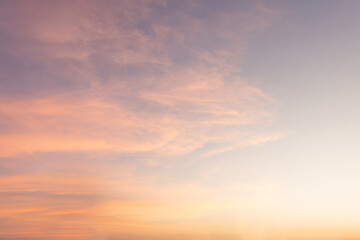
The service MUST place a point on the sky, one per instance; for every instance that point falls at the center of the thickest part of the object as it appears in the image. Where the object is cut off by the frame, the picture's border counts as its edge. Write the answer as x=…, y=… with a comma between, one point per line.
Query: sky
x=179, y=119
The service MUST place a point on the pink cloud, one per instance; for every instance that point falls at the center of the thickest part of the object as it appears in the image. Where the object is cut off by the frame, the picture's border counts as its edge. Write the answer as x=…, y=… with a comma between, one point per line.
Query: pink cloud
x=113, y=78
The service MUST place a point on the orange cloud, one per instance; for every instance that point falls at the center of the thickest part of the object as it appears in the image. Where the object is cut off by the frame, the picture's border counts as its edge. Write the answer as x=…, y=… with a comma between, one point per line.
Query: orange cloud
x=43, y=206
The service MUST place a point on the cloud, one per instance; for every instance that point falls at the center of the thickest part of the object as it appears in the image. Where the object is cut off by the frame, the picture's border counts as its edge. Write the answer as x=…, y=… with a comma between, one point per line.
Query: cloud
x=130, y=78
x=45, y=207
x=89, y=87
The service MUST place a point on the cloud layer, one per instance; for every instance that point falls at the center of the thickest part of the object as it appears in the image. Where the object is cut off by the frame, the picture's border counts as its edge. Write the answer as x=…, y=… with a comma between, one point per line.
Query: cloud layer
x=136, y=76
x=91, y=80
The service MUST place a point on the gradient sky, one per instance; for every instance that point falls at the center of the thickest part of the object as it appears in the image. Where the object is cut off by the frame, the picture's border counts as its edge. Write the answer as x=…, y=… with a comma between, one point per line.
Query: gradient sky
x=184, y=120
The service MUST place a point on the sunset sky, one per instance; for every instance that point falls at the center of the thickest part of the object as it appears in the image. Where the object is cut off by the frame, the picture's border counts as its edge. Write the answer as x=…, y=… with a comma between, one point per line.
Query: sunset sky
x=179, y=120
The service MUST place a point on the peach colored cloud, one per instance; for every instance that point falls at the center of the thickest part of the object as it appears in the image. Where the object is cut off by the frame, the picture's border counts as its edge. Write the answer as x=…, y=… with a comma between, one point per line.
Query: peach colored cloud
x=100, y=78
x=187, y=118
x=45, y=207
x=135, y=80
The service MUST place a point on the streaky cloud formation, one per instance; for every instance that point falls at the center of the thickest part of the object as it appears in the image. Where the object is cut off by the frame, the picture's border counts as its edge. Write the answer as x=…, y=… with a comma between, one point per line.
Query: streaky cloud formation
x=100, y=100
x=137, y=74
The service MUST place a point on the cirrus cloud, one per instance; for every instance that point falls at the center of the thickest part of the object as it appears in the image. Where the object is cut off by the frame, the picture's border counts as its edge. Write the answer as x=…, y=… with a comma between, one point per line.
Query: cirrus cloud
x=84, y=82
x=140, y=76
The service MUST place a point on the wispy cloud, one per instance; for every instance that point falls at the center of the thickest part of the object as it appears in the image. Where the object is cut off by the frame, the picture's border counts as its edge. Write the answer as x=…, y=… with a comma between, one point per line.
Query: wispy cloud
x=156, y=79
x=136, y=77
